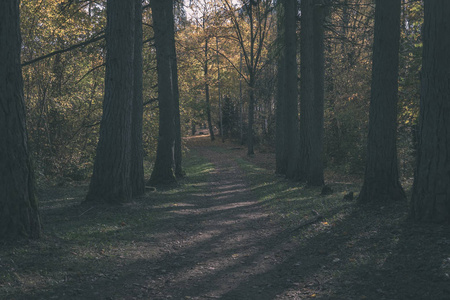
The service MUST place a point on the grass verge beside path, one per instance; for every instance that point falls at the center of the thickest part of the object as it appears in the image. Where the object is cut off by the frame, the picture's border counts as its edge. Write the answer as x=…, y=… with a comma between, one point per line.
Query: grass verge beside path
x=87, y=248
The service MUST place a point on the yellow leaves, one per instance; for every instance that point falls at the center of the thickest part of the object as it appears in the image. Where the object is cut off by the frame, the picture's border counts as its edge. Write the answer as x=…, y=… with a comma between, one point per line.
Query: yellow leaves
x=353, y=97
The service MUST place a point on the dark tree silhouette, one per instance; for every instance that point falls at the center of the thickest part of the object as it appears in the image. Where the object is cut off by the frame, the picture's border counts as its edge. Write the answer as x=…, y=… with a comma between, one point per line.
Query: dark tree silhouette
x=18, y=208
x=311, y=92
x=431, y=189
x=163, y=26
x=110, y=181
x=287, y=106
x=137, y=151
x=280, y=153
x=381, y=182
x=176, y=101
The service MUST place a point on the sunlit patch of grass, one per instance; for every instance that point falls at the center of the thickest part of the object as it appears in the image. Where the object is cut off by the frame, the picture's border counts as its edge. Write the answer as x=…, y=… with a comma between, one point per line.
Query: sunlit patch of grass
x=292, y=202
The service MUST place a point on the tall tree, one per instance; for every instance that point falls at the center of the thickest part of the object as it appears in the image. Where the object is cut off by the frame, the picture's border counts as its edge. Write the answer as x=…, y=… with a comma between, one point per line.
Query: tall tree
x=287, y=91
x=207, y=98
x=110, y=181
x=202, y=20
x=381, y=179
x=431, y=189
x=280, y=153
x=18, y=206
x=176, y=100
x=311, y=92
x=163, y=26
x=137, y=151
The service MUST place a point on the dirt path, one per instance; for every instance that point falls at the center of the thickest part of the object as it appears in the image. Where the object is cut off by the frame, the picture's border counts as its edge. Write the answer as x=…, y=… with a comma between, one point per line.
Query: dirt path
x=224, y=245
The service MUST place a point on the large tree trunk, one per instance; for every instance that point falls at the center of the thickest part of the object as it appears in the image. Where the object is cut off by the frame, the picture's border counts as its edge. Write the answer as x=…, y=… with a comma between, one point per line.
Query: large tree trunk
x=381, y=181
x=431, y=189
x=315, y=176
x=163, y=26
x=137, y=151
x=110, y=181
x=311, y=93
x=18, y=207
x=291, y=138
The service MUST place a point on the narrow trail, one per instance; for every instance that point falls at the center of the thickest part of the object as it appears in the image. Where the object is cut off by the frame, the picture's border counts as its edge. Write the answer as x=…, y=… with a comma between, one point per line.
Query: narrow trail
x=223, y=244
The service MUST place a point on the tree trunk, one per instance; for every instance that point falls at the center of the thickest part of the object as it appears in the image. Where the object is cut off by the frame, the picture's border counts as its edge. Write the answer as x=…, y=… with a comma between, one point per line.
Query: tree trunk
x=315, y=176
x=208, y=103
x=137, y=151
x=381, y=180
x=251, y=115
x=176, y=100
x=280, y=152
x=431, y=189
x=311, y=93
x=18, y=207
x=111, y=181
x=163, y=26
x=251, y=70
x=291, y=140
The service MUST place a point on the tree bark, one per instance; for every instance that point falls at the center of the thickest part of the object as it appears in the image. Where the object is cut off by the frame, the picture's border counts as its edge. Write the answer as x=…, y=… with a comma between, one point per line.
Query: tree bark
x=207, y=100
x=291, y=140
x=163, y=26
x=251, y=84
x=110, y=181
x=311, y=93
x=137, y=155
x=381, y=179
x=280, y=152
x=315, y=176
x=179, y=173
x=19, y=215
x=431, y=189
x=251, y=114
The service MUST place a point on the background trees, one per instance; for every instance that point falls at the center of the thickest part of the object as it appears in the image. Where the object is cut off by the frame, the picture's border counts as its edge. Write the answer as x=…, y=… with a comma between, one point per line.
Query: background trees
x=251, y=22
x=18, y=206
x=64, y=92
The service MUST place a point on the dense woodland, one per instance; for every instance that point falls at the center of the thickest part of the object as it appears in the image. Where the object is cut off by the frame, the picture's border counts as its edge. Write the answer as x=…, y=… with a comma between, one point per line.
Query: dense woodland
x=105, y=91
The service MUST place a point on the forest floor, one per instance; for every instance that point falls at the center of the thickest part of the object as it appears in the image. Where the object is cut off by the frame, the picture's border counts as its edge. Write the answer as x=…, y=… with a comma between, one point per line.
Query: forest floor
x=230, y=230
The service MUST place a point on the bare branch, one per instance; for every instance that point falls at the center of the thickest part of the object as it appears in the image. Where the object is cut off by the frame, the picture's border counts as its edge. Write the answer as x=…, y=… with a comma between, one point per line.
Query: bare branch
x=73, y=47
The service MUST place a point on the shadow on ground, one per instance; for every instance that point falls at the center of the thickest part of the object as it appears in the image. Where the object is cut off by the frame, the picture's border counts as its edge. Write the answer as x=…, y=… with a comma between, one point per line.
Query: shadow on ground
x=224, y=233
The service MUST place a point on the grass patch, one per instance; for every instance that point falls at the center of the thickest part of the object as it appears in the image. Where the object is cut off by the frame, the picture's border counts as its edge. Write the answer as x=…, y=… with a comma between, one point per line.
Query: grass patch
x=91, y=245
x=292, y=202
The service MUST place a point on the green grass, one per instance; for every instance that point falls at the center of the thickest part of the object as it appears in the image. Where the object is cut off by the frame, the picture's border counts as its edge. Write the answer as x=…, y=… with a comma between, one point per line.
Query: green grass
x=84, y=242
x=291, y=202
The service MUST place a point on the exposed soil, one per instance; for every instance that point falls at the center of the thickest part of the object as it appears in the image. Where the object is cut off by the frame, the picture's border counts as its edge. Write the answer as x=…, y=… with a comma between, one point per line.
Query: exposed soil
x=219, y=242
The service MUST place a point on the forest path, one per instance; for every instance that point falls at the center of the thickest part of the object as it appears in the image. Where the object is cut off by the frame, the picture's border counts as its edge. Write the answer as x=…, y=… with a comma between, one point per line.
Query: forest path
x=229, y=230
x=224, y=244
